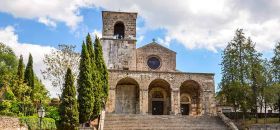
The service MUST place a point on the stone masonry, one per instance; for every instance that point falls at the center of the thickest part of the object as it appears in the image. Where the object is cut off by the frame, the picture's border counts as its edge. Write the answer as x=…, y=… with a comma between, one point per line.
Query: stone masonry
x=145, y=80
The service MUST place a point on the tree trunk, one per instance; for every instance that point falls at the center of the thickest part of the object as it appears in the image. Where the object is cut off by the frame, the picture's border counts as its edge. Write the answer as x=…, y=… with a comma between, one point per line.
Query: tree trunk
x=279, y=106
x=235, y=114
x=265, y=111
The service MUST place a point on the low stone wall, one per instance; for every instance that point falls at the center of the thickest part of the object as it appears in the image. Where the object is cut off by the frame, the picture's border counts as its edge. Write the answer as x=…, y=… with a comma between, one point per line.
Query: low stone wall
x=265, y=127
x=11, y=123
x=227, y=121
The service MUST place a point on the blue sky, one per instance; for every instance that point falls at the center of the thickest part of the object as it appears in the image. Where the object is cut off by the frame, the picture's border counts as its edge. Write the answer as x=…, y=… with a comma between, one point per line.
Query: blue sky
x=196, y=32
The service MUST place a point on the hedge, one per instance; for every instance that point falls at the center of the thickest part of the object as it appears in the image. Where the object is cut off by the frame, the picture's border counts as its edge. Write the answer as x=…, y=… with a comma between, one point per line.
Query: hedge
x=33, y=123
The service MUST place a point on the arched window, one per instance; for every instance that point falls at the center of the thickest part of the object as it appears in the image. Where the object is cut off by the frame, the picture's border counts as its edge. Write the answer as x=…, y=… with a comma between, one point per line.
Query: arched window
x=119, y=30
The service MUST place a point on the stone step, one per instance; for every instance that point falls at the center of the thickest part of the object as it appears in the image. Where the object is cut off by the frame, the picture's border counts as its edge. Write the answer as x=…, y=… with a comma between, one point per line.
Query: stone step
x=161, y=122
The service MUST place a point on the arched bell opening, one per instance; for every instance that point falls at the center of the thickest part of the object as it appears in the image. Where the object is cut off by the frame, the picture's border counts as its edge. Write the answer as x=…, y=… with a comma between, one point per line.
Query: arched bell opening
x=119, y=29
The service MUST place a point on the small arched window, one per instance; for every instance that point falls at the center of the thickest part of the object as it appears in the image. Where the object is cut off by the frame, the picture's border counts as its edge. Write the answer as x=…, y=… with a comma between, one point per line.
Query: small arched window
x=119, y=30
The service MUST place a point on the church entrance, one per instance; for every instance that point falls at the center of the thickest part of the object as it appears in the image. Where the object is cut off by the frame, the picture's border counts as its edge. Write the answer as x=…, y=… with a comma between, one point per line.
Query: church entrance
x=159, y=97
x=185, y=109
x=157, y=107
x=189, y=98
x=127, y=97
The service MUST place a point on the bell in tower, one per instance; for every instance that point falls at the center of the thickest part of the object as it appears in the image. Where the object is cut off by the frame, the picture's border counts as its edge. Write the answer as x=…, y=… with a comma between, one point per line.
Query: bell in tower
x=119, y=30
x=119, y=40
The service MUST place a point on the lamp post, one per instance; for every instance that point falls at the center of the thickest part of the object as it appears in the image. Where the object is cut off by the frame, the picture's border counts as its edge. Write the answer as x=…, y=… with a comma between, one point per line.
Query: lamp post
x=41, y=113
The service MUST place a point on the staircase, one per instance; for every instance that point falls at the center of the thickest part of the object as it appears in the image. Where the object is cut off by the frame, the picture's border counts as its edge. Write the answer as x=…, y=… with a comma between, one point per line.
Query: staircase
x=162, y=122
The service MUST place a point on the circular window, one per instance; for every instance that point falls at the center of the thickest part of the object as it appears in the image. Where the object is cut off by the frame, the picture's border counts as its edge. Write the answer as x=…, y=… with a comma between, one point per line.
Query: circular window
x=153, y=62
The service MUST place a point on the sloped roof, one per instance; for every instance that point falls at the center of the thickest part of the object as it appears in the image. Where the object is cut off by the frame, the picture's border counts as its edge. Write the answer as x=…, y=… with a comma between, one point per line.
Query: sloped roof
x=154, y=44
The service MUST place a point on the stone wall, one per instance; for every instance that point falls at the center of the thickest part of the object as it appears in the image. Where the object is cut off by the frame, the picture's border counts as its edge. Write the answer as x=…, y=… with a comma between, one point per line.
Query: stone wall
x=111, y=18
x=126, y=99
x=167, y=57
x=175, y=79
x=119, y=54
x=11, y=123
x=228, y=122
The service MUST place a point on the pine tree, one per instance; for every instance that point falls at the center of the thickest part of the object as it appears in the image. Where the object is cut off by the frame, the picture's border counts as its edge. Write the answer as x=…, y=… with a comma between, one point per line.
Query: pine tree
x=29, y=74
x=103, y=72
x=97, y=88
x=234, y=72
x=85, y=87
x=275, y=61
x=68, y=108
x=255, y=73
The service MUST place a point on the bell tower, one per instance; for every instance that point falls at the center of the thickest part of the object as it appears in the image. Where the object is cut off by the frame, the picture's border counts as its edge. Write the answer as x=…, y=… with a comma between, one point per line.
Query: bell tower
x=119, y=40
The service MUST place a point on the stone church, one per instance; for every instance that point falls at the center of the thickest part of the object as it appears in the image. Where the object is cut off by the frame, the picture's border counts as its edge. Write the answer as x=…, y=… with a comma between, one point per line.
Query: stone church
x=145, y=80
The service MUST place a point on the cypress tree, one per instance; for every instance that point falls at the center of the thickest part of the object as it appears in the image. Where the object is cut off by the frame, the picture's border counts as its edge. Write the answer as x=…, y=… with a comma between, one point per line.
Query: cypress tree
x=97, y=88
x=103, y=72
x=29, y=74
x=85, y=87
x=20, y=71
x=18, y=87
x=68, y=108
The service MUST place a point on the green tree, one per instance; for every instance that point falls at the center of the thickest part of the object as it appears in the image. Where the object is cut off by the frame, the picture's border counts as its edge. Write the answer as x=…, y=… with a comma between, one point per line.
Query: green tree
x=85, y=87
x=20, y=70
x=103, y=72
x=68, y=109
x=233, y=65
x=18, y=81
x=29, y=74
x=255, y=73
x=97, y=88
x=8, y=63
x=242, y=69
x=275, y=62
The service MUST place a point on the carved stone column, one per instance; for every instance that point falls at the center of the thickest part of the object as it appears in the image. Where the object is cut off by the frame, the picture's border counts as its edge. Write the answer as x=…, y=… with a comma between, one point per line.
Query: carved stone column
x=110, y=105
x=175, y=102
x=143, y=98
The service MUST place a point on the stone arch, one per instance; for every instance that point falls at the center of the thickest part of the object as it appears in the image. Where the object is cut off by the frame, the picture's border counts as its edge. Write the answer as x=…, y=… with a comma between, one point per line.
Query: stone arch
x=119, y=30
x=127, y=96
x=159, y=102
x=192, y=90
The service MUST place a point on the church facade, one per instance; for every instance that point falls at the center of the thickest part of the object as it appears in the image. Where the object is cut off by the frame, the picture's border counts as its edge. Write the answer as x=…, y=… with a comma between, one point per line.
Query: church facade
x=145, y=80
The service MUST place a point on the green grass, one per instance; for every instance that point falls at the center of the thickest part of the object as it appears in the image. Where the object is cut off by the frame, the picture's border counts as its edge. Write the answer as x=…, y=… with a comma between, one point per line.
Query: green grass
x=249, y=122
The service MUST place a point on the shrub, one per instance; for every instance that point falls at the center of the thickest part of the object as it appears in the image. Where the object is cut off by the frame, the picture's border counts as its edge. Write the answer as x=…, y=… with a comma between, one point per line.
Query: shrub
x=52, y=112
x=5, y=105
x=7, y=113
x=33, y=123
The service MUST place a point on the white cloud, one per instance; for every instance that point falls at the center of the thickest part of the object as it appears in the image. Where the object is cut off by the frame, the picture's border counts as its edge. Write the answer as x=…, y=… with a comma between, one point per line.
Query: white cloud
x=204, y=23
x=10, y=38
x=48, y=12
x=97, y=33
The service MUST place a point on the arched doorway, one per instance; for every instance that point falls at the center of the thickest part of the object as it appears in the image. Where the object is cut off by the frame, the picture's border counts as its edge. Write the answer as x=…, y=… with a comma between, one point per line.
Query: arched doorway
x=190, y=98
x=159, y=97
x=185, y=104
x=127, y=96
x=119, y=30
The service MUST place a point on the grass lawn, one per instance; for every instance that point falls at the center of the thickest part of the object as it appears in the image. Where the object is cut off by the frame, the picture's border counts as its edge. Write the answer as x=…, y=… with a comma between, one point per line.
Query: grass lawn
x=248, y=122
